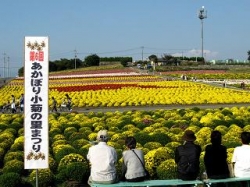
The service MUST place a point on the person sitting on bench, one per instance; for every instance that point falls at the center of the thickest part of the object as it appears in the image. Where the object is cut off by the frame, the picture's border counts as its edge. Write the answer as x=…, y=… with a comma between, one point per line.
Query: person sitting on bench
x=102, y=158
x=187, y=158
x=215, y=159
x=241, y=158
x=133, y=167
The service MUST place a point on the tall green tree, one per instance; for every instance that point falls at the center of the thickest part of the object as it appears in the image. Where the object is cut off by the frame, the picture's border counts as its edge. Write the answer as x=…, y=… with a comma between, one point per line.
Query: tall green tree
x=153, y=58
x=124, y=60
x=52, y=66
x=168, y=58
x=248, y=53
x=92, y=60
x=21, y=72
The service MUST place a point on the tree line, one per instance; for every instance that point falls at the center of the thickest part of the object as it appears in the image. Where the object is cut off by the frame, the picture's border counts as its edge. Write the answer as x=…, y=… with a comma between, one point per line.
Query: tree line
x=91, y=60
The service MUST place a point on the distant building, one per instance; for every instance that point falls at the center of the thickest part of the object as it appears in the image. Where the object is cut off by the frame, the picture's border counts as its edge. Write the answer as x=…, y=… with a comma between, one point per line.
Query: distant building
x=228, y=61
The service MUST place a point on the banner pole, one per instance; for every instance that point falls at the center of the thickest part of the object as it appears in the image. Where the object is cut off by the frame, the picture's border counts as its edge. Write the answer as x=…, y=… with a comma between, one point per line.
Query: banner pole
x=36, y=177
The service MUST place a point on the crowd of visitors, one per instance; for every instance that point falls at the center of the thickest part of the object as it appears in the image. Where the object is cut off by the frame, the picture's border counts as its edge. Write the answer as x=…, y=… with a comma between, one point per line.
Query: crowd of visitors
x=66, y=104
x=13, y=105
x=103, y=159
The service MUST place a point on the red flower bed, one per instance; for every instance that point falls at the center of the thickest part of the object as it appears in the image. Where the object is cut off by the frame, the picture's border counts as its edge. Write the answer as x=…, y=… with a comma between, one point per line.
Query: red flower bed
x=103, y=86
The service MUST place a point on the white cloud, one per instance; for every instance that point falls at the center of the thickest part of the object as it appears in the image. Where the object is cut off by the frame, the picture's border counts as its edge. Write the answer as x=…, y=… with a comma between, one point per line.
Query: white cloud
x=197, y=52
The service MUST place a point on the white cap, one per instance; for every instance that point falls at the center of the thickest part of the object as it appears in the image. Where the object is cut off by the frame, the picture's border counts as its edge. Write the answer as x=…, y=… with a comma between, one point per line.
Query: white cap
x=102, y=136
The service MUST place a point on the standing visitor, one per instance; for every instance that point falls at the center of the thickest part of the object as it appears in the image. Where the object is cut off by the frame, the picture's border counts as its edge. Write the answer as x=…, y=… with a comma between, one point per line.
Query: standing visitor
x=215, y=159
x=13, y=104
x=187, y=158
x=54, y=105
x=224, y=84
x=243, y=85
x=68, y=102
x=63, y=105
x=241, y=158
x=133, y=167
x=6, y=107
x=102, y=158
x=21, y=101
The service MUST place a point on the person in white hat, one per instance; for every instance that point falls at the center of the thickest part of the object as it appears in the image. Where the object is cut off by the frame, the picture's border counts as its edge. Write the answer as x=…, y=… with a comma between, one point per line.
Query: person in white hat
x=102, y=158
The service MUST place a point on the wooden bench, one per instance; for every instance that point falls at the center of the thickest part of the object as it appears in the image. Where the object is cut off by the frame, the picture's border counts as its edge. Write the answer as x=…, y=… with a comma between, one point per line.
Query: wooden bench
x=209, y=182
x=171, y=182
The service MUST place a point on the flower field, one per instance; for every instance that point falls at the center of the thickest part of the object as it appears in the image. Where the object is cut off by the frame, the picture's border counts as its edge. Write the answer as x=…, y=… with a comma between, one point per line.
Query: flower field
x=128, y=88
x=233, y=77
x=158, y=132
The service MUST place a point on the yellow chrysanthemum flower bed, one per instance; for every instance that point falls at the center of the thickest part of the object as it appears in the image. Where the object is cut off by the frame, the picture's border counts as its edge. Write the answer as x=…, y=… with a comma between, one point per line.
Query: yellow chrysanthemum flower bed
x=140, y=91
x=158, y=143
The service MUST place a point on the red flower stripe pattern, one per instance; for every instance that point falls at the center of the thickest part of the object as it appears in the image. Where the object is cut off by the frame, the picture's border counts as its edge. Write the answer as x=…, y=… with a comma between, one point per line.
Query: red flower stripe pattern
x=105, y=86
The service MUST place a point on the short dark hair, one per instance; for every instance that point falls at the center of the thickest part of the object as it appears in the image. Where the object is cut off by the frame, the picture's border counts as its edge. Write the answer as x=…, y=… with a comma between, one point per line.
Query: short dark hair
x=130, y=142
x=216, y=138
x=245, y=137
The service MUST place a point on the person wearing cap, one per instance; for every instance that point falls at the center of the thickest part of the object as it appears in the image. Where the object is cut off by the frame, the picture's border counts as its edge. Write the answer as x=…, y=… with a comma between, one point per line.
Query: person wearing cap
x=187, y=157
x=102, y=158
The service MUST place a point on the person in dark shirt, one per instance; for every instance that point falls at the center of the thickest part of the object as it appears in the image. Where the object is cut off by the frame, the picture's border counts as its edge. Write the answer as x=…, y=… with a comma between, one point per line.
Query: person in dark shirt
x=68, y=105
x=54, y=105
x=215, y=158
x=187, y=158
x=21, y=101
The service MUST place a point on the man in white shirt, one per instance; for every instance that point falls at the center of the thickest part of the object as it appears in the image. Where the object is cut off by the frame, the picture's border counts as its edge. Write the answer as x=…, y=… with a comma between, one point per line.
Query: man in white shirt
x=102, y=159
x=241, y=158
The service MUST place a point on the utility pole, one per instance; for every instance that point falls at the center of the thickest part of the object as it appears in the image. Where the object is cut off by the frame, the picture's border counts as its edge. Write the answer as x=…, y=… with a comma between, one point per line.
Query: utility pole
x=142, y=53
x=75, y=57
x=4, y=59
x=8, y=66
x=202, y=15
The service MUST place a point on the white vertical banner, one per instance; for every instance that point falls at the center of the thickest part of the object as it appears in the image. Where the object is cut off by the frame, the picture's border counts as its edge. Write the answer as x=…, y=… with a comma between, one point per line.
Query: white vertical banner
x=36, y=69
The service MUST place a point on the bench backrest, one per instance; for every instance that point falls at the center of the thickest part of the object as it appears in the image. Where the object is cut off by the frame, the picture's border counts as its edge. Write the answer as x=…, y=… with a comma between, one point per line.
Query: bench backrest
x=150, y=183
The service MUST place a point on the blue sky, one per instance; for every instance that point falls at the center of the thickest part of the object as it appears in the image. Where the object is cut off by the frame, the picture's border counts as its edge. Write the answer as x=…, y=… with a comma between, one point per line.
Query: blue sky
x=136, y=28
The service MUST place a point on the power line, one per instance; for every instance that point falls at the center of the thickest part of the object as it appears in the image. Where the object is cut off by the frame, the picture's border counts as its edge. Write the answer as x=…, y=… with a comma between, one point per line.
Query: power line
x=174, y=49
x=61, y=53
x=141, y=51
x=107, y=52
